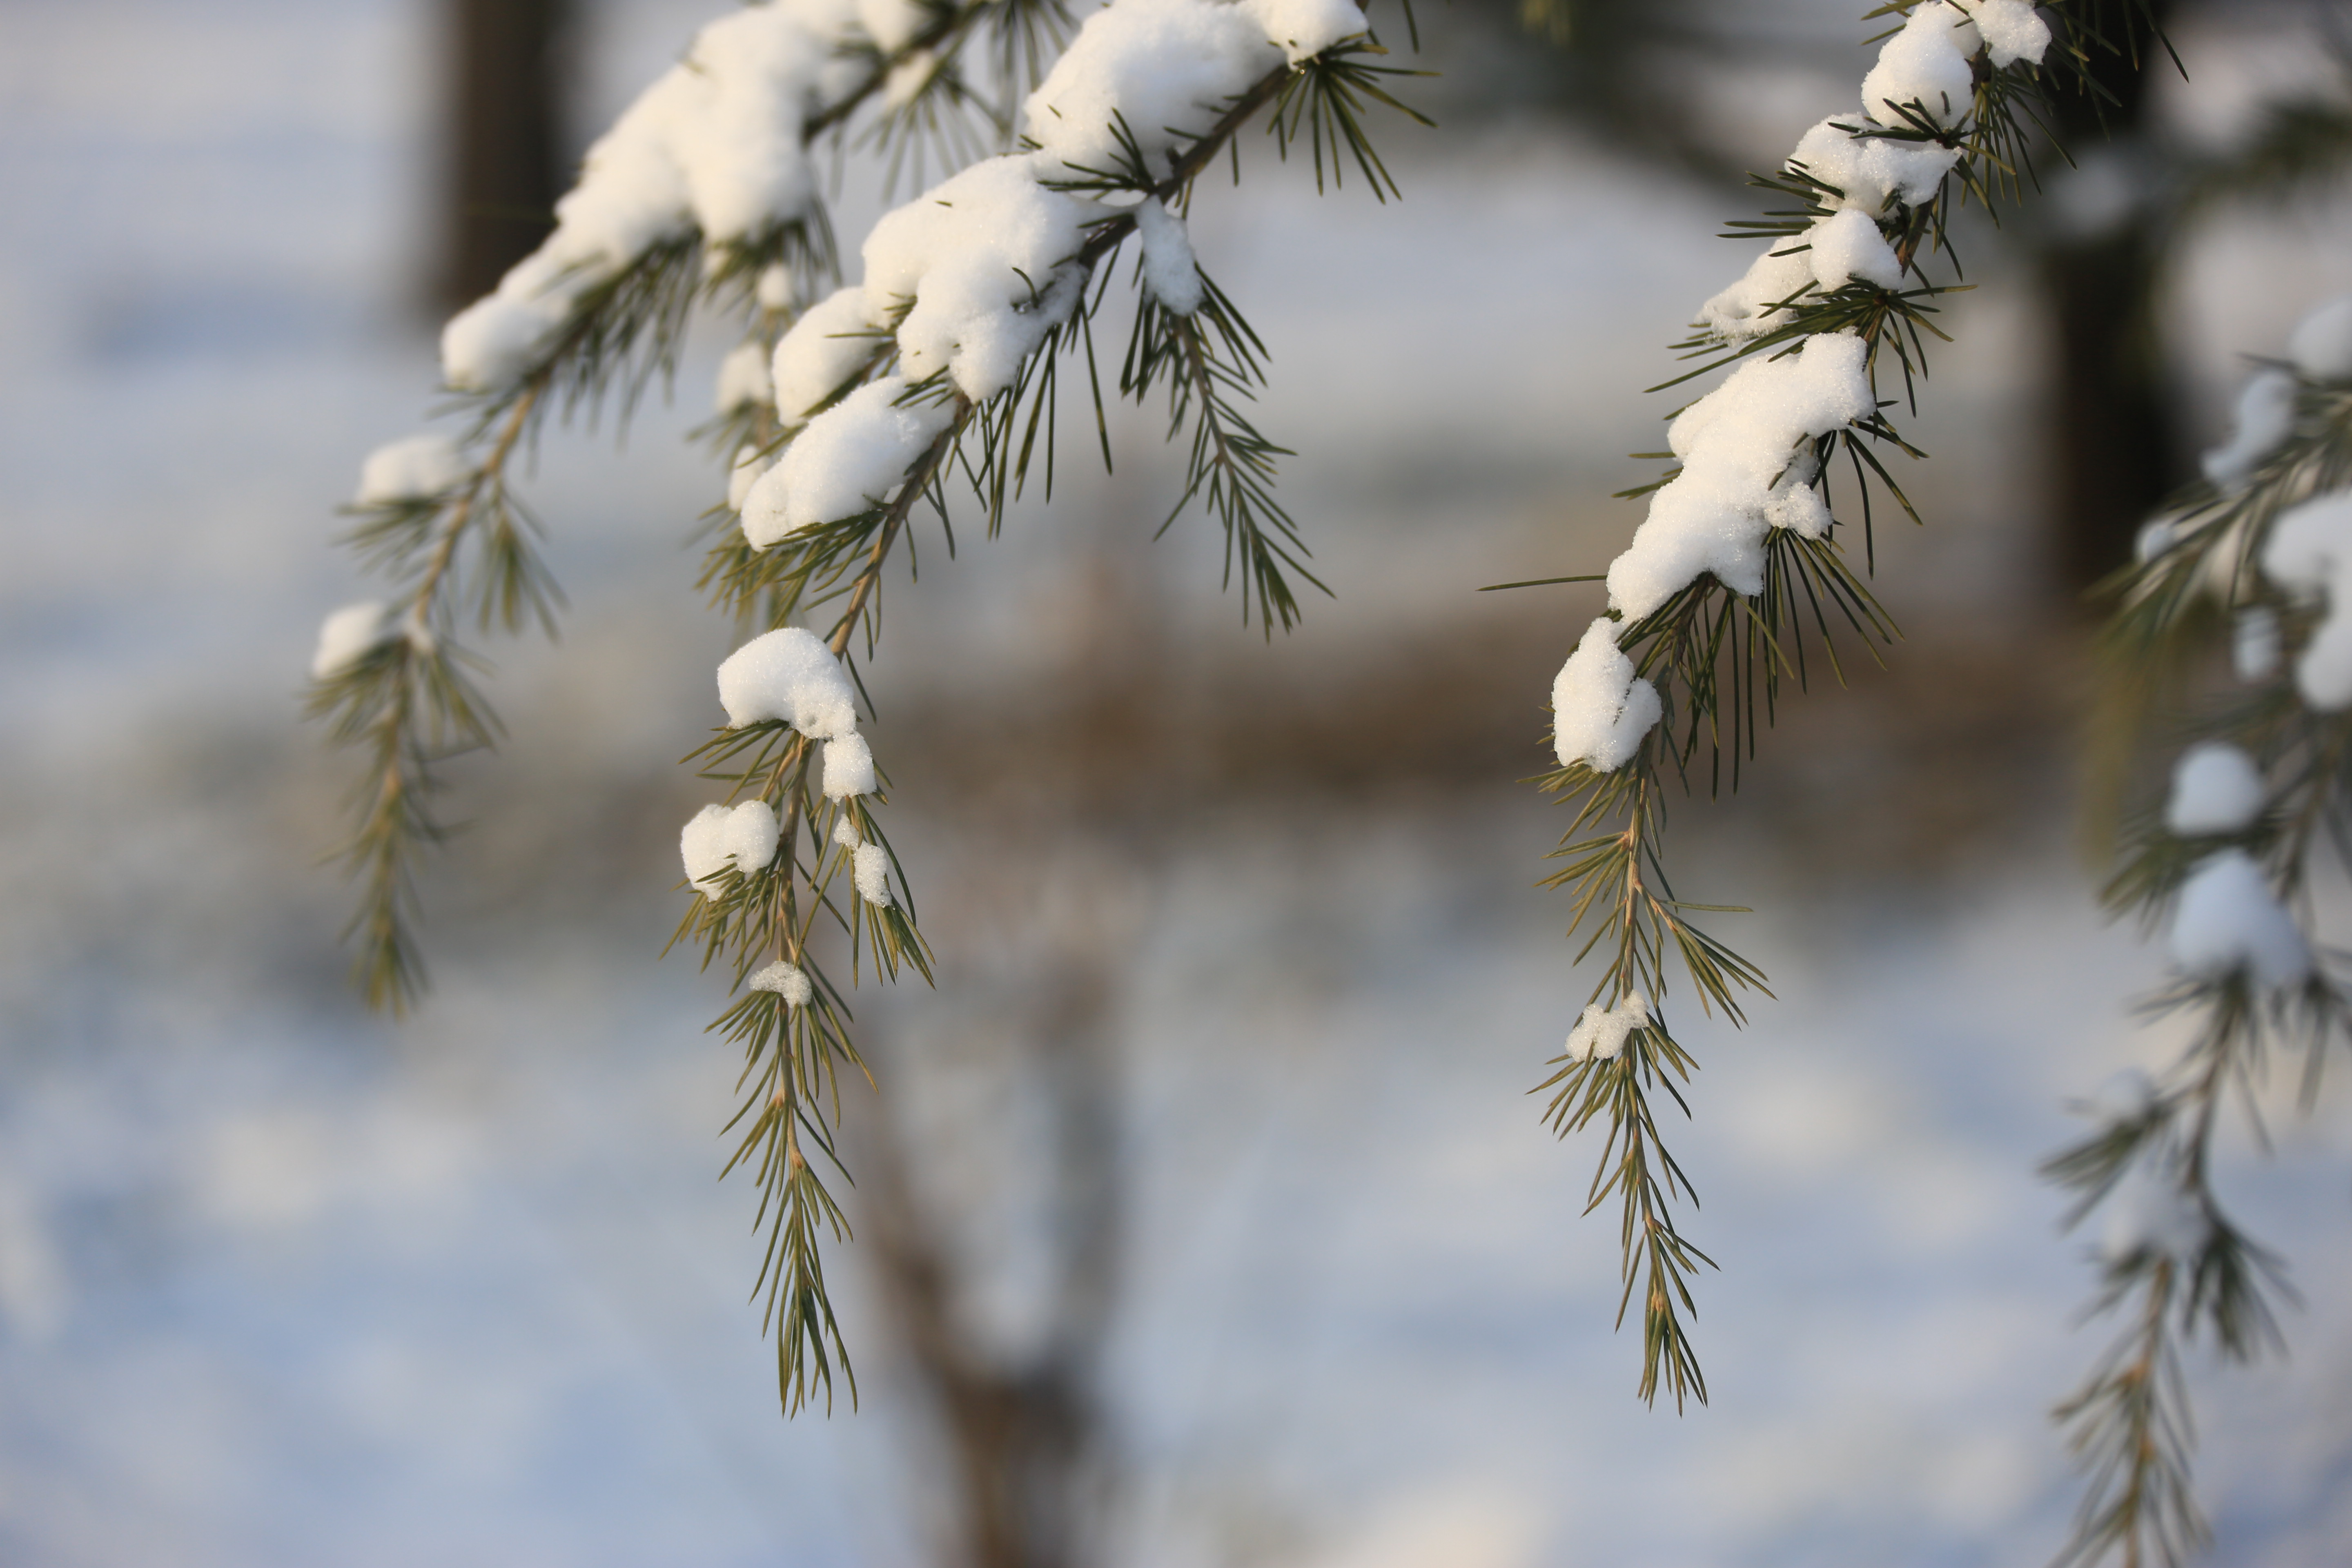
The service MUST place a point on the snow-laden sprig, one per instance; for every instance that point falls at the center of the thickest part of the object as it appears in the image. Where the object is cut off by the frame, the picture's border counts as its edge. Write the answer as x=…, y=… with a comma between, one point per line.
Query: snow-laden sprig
x=1740, y=561
x=2252, y=570
x=703, y=194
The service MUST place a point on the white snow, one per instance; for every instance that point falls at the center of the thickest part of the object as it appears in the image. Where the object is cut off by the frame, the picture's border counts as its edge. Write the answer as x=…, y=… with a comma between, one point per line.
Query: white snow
x=1600, y=1034
x=714, y=144
x=718, y=837
x=872, y=872
x=1869, y=170
x=979, y=257
x=2216, y=788
x=1304, y=27
x=1170, y=270
x=750, y=463
x=786, y=981
x=2147, y=1212
x=844, y=831
x=908, y=78
x=743, y=378
x=2266, y=419
x=892, y=23
x=788, y=674
x=775, y=289
x=348, y=636
x=2126, y=1096
x=833, y=344
x=851, y=458
x=2321, y=344
x=1835, y=250
x=1167, y=67
x=1737, y=443
x=2229, y=921
x=417, y=468
x=848, y=766
x=2309, y=553
x=1600, y=711
x=2011, y=29
x=2154, y=537
x=2254, y=642
x=1924, y=67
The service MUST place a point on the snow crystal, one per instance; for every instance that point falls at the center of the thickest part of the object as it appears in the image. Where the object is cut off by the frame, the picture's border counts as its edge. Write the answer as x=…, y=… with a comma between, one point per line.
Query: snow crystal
x=1600, y=711
x=1600, y=1034
x=2254, y=642
x=416, y=469
x=2127, y=1096
x=788, y=674
x=775, y=290
x=348, y=636
x=718, y=837
x=715, y=144
x=750, y=462
x=1925, y=66
x=848, y=766
x=1736, y=444
x=1166, y=68
x=2229, y=920
x=893, y=24
x=851, y=458
x=1835, y=250
x=786, y=981
x=2216, y=788
x=2148, y=1213
x=844, y=831
x=2321, y=344
x=2011, y=31
x=830, y=346
x=2310, y=554
x=977, y=255
x=1169, y=269
x=2266, y=419
x=1869, y=170
x=871, y=870
x=743, y=378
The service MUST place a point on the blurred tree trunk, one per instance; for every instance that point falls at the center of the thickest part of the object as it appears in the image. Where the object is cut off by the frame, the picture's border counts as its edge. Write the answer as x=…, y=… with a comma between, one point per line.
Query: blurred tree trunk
x=2117, y=452
x=502, y=161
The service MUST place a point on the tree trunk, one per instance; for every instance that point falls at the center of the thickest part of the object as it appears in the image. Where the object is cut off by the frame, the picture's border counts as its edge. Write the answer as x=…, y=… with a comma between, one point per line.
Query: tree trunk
x=502, y=164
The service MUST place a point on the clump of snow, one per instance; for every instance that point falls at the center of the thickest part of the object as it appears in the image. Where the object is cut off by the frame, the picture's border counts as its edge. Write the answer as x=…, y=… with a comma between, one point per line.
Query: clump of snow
x=829, y=347
x=978, y=255
x=1600, y=711
x=2147, y=1213
x=1601, y=1035
x=2216, y=788
x=788, y=674
x=415, y=468
x=2012, y=30
x=775, y=289
x=2321, y=344
x=848, y=766
x=786, y=981
x=1924, y=67
x=717, y=836
x=1870, y=170
x=893, y=24
x=714, y=144
x=851, y=458
x=743, y=378
x=348, y=636
x=844, y=831
x=908, y=78
x=750, y=462
x=871, y=869
x=2266, y=419
x=1170, y=270
x=2309, y=553
x=2254, y=642
x=1834, y=251
x=1304, y=27
x=1166, y=67
x=2229, y=921
x=1737, y=443
x=2126, y=1097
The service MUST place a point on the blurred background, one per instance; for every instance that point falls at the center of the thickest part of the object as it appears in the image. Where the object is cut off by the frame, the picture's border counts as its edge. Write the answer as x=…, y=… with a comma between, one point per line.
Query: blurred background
x=1204, y=1219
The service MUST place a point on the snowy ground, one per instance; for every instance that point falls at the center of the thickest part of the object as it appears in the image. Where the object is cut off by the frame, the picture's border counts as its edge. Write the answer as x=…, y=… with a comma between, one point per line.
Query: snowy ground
x=283, y=1284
